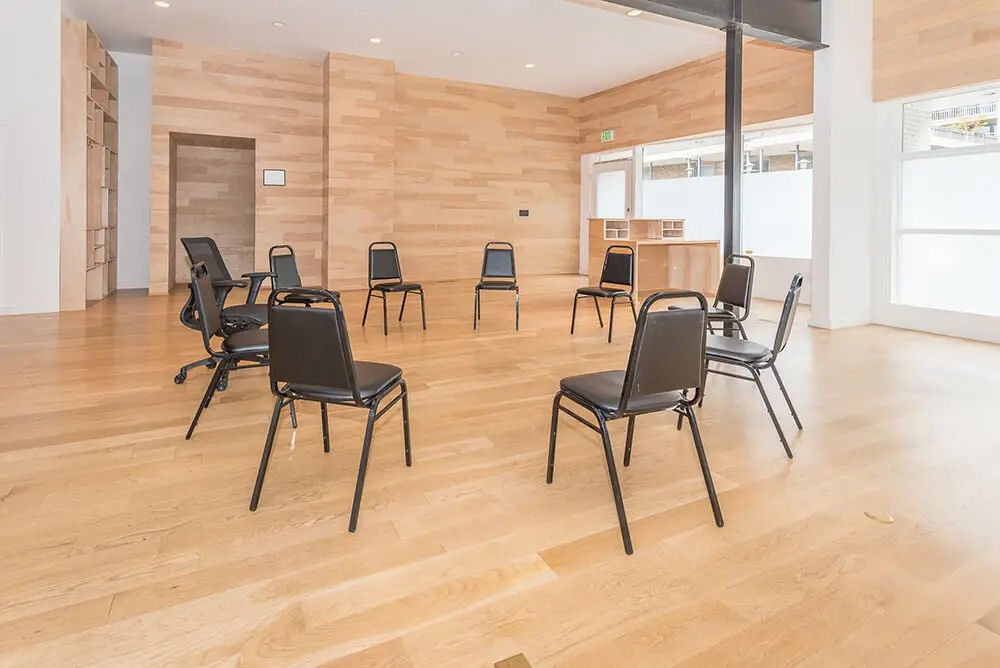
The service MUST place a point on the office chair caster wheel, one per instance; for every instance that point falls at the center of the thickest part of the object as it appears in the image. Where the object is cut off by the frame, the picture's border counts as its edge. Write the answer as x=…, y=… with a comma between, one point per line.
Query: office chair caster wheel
x=223, y=383
x=180, y=378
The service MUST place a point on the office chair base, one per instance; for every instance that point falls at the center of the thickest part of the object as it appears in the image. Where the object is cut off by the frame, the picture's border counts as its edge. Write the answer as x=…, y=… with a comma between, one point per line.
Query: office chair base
x=182, y=375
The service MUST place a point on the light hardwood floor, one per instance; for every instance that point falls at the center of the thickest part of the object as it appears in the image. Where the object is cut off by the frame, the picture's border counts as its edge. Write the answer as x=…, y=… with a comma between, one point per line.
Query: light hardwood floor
x=124, y=545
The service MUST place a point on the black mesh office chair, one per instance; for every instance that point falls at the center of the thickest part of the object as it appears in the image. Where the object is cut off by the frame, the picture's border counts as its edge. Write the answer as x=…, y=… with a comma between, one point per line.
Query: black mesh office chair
x=311, y=360
x=234, y=318
x=285, y=274
x=498, y=274
x=756, y=357
x=247, y=345
x=665, y=372
x=617, y=283
x=385, y=276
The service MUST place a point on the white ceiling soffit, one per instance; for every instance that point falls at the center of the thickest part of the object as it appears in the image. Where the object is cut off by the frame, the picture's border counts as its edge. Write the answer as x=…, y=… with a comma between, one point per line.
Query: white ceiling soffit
x=577, y=47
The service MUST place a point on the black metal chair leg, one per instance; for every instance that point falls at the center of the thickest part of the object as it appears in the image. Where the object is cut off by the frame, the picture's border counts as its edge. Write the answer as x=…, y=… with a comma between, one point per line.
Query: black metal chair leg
x=326, y=428
x=265, y=456
x=616, y=489
x=423, y=313
x=572, y=323
x=628, y=440
x=705, y=471
x=362, y=468
x=385, y=314
x=207, y=398
x=597, y=307
x=551, y=467
x=294, y=417
x=770, y=411
x=368, y=301
x=403, y=306
x=406, y=423
x=704, y=387
x=743, y=332
x=517, y=310
x=788, y=400
x=611, y=320
x=680, y=421
x=475, y=311
x=631, y=302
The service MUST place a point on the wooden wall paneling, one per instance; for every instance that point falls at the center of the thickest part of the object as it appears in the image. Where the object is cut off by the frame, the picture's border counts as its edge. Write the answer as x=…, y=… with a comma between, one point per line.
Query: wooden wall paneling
x=276, y=101
x=360, y=166
x=468, y=157
x=73, y=242
x=921, y=46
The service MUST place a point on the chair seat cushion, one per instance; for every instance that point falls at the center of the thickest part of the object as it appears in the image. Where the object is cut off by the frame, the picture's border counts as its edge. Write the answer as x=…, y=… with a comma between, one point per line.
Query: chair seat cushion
x=295, y=298
x=713, y=313
x=496, y=285
x=251, y=313
x=597, y=291
x=604, y=390
x=725, y=349
x=373, y=378
x=248, y=343
x=396, y=287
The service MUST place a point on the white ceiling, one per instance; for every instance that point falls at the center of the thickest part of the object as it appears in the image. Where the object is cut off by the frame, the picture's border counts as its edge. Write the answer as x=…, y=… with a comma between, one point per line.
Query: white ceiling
x=578, y=46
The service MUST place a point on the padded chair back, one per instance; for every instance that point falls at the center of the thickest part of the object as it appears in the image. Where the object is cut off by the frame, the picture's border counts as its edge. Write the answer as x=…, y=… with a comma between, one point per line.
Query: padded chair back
x=206, y=307
x=668, y=350
x=310, y=346
x=619, y=266
x=383, y=263
x=205, y=250
x=284, y=267
x=498, y=260
x=787, y=319
x=736, y=284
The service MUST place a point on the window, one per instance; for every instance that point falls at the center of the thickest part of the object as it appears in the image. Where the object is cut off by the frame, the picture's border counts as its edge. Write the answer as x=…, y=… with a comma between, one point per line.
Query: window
x=947, y=235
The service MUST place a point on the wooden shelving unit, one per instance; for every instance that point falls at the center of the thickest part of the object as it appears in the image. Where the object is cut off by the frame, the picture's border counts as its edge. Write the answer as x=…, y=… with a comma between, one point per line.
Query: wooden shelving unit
x=658, y=228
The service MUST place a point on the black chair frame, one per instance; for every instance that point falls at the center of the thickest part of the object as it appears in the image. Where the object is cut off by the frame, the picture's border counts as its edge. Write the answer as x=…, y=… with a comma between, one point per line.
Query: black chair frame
x=610, y=285
x=285, y=396
x=754, y=369
x=391, y=281
x=737, y=313
x=285, y=273
x=499, y=249
x=684, y=409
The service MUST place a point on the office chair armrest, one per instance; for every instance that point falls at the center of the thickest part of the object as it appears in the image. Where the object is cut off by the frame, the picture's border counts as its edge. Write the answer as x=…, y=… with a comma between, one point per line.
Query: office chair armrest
x=256, y=279
x=228, y=284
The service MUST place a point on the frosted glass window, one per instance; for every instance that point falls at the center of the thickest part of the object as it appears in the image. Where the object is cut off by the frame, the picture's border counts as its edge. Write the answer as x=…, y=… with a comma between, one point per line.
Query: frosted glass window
x=951, y=272
x=950, y=193
x=612, y=195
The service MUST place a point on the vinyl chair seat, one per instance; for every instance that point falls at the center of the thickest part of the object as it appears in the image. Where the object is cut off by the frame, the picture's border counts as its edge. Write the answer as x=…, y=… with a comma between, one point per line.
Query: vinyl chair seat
x=713, y=313
x=725, y=349
x=295, y=298
x=372, y=377
x=496, y=285
x=598, y=291
x=251, y=313
x=249, y=342
x=604, y=390
x=396, y=287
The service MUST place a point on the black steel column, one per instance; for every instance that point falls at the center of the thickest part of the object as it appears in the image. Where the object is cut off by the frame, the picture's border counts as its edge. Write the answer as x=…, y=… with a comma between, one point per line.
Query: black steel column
x=732, y=237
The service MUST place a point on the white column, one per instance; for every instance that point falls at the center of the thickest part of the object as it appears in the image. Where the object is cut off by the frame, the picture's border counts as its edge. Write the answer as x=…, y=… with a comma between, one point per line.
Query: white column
x=30, y=47
x=844, y=168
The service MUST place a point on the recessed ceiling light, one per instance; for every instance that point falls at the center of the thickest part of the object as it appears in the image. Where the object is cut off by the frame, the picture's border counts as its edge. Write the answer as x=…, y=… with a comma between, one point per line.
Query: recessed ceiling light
x=162, y=3
x=375, y=40
x=633, y=12
x=529, y=66
x=456, y=54
x=279, y=24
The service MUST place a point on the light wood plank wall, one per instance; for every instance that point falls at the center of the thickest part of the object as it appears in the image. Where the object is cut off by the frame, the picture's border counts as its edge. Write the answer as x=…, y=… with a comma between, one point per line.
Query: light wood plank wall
x=276, y=101
x=928, y=45
x=690, y=99
x=73, y=131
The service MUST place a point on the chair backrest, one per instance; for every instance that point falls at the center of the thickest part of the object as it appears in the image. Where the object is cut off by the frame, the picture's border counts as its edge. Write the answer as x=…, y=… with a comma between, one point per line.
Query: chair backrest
x=284, y=267
x=205, y=250
x=383, y=263
x=619, y=266
x=736, y=283
x=310, y=346
x=668, y=350
x=787, y=319
x=209, y=319
x=498, y=260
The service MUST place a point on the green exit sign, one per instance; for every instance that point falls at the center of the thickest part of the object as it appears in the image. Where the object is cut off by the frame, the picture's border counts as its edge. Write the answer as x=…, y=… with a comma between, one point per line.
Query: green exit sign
x=607, y=135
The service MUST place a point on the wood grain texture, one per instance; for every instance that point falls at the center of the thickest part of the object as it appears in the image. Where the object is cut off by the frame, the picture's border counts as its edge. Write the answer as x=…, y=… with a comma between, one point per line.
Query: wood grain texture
x=690, y=99
x=125, y=545
x=922, y=46
x=73, y=137
x=276, y=101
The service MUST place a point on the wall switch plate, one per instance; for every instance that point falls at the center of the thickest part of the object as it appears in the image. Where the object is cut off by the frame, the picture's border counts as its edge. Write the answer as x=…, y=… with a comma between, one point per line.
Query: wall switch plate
x=523, y=213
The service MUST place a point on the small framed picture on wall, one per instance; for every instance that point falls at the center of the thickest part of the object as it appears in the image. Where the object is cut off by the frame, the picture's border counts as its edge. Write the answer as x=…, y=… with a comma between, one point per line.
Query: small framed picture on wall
x=274, y=177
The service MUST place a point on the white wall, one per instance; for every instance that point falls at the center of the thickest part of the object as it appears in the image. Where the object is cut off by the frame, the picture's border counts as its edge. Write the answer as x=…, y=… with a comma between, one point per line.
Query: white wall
x=135, y=108
x=30, y=48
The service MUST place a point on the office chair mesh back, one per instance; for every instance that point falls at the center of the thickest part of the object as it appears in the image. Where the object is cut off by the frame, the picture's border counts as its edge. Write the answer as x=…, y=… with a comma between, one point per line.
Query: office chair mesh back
x=209, y=318
x=310, y=346
x=204, y=249
x=618, y=266
x=498, y=263
x=383, y=265
x=285, y=270
x=787, y=319
x=668, y=352
x=734, y=286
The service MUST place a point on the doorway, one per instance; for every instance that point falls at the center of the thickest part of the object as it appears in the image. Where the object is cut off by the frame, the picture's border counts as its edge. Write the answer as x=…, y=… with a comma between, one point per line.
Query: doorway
x=212, y=194
x=614, y=194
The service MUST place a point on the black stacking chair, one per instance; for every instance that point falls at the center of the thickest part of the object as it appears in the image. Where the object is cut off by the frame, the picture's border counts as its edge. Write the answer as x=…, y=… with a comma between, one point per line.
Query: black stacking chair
x=285, y=274
x=617, y=282
x=247, y=345
x=498, y=274
x=756, y=357
x=736, y=289
x=311, y=360
x=385, y=276
x=234, y=318
x=665, y=372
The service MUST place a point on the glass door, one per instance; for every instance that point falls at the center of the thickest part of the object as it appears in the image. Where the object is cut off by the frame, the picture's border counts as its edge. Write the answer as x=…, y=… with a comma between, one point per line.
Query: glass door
x=613, y=193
